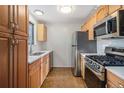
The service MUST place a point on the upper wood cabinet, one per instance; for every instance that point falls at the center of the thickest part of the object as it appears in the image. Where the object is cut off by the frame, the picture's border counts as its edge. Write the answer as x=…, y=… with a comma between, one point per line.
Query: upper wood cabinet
x=113, y=8
x=21, y=20
x=41, y=32
x=92, y=21
x=84, y=27
x=6, y=18
x=88, y=26
x=102, y=12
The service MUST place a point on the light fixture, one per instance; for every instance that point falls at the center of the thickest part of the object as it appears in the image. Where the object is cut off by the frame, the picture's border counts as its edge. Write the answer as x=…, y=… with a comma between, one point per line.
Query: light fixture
x=65, y=9
x=39, y=12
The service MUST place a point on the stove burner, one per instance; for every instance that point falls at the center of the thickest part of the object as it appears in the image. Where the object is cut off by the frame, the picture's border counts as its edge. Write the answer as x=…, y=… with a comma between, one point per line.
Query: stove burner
x=106, y=60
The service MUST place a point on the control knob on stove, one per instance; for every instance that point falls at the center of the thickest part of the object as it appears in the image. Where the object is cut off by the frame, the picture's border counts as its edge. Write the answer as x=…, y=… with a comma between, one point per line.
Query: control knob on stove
x=98, y=67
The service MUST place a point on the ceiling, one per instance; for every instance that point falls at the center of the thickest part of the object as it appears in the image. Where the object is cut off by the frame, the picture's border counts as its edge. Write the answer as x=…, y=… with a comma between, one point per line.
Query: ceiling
x=52, y=15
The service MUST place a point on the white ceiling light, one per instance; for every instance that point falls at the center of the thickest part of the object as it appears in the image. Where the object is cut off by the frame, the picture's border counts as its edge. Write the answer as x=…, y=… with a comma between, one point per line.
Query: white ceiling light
x=65, y=9
x=38, y=12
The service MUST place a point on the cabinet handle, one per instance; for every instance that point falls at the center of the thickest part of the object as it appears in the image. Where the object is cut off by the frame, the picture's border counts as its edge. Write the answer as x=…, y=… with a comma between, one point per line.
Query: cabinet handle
x=12, y=41
x=12, y=25
x=16, y=26
x=16, y=41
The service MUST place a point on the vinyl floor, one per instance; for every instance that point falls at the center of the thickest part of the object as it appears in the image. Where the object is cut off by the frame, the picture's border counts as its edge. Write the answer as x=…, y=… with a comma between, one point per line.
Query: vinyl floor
x=62, y=78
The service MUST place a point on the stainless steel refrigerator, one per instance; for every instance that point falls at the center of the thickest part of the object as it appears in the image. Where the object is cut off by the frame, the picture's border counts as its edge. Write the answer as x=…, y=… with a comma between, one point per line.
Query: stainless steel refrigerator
x=81, y=44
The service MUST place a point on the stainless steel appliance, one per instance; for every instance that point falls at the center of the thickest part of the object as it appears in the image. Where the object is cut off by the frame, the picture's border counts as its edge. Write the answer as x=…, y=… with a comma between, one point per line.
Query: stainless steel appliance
x=80, y=44
x=95, y=73
x=110, y=27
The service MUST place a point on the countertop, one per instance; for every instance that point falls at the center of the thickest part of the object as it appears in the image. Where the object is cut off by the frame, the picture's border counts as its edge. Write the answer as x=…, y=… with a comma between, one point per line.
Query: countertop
x=117, y=70
x=84, y=54
x=32, y=59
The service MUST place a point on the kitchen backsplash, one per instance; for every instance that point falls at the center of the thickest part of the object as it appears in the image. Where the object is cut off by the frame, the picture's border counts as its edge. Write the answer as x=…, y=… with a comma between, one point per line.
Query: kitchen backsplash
x=102, y=43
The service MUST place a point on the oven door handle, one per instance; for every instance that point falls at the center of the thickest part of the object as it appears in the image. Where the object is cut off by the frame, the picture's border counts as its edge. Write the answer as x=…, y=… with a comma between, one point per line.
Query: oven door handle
x=100, y=76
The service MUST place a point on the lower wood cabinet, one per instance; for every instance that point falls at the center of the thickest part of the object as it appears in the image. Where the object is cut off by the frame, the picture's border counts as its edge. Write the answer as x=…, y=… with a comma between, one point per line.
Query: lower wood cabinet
x=38, y=71
x=35, y=74
x=114, y=81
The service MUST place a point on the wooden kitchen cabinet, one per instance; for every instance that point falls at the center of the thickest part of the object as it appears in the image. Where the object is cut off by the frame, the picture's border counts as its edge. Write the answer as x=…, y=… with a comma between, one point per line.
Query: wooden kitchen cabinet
x=46, y=61
x=114, y=81
x=13, y=48
x=41, y=32
x=20, y=62
x=5, y=61
x=92, y=21
x=88, y=26
x=35, y=74
x=114, y=8
x=84, y=28
x=101, y=13
x=6, y=18
x=21, y=20
x=38, y=72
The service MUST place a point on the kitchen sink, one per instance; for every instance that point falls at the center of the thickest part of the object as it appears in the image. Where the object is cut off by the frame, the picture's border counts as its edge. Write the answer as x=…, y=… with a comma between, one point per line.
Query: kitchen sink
x=37, y=53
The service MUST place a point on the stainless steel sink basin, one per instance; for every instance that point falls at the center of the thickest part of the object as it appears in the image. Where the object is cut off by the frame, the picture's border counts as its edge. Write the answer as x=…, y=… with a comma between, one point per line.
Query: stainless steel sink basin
x=38, y=53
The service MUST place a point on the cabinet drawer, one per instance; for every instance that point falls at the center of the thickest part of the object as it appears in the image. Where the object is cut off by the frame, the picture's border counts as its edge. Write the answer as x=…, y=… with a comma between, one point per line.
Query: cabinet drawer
x=115, y=79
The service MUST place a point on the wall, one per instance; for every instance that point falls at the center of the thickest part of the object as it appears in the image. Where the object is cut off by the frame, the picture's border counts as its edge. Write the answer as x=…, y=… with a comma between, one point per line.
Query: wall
x=101, y=44
x=59, y=40
x=38, y=46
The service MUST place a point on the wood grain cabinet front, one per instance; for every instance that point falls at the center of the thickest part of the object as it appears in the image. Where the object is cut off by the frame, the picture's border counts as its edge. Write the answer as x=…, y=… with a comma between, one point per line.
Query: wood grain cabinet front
x=113, y=81
x=35, y=74
x=101, y=13
x=21, y=20
x=41, y=32
x=6, y=18
x=38, y=72
x=13, y=48
x=5, y=61
x=114, y=8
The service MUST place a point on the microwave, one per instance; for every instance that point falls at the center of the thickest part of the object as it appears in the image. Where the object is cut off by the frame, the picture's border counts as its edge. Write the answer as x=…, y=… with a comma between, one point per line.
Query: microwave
x=111, y=27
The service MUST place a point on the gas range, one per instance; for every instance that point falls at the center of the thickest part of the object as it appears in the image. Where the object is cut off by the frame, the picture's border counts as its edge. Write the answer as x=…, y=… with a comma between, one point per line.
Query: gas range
x=113, y=57
x=95, y=65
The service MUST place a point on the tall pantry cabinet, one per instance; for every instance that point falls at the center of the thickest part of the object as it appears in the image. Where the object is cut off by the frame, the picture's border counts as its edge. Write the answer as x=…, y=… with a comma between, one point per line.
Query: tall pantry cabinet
x=13, y=46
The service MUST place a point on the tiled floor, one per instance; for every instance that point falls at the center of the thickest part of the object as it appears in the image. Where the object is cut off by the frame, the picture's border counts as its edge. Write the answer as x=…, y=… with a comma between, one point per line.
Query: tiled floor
x=62, y=78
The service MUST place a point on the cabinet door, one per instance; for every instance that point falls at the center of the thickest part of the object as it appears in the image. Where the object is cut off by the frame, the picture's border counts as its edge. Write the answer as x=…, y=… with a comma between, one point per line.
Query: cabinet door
x=42, y=73
x=35, y=75
x=5, y=61
x=21, y=20
x=6, y=18
x=92, y=21
x=47, y=65
x=102, y=12
x=41, y=32
x=20, y=62
x=113, y=8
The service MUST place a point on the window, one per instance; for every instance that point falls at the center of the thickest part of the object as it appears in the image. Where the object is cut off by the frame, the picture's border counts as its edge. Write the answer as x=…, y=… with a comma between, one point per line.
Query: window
x=31, y=34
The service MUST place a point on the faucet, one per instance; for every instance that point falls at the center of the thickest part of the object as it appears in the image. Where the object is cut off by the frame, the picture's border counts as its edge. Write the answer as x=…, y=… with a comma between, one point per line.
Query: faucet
x=30, y=49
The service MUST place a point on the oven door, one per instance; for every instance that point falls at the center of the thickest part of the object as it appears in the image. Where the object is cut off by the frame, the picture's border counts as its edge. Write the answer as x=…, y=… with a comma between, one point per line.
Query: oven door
x=94, y=79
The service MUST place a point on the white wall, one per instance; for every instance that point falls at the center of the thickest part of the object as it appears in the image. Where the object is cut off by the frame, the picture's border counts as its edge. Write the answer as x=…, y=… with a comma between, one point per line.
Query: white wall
x=101, y=44
x=59, y=40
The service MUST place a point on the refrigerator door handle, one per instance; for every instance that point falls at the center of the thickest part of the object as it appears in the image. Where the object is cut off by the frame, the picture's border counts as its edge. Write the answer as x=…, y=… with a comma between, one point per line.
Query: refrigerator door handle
x=75, y=45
